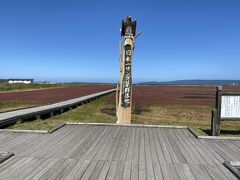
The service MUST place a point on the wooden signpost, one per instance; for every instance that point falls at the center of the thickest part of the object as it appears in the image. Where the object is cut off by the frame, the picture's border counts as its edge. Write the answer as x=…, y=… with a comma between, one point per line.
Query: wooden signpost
x=124, y=102
x=227, y=108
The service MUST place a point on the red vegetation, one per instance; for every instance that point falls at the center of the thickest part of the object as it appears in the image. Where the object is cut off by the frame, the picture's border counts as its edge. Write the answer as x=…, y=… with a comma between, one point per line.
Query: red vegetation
x=49, y=96
x=181, y=95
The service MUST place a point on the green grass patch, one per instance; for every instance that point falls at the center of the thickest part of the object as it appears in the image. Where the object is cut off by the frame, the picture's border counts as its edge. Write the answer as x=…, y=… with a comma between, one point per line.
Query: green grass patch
x=197, y=117
x=35, y=125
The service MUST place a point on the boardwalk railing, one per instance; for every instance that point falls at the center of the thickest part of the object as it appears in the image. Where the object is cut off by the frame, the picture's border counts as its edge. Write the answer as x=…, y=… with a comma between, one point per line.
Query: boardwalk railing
x=36, y=112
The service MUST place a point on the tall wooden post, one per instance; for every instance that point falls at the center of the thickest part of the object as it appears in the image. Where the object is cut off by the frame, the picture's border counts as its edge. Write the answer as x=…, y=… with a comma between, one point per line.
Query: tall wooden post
x=125, y=97
x=216, y=114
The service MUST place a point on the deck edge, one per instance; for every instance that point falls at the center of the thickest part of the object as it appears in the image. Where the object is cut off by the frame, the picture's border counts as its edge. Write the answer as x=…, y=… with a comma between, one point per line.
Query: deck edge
x=212, y=137
x=128, y=125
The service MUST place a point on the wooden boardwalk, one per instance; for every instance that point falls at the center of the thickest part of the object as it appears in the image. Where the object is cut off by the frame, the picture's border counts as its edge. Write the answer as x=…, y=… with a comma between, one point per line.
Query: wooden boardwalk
x=116, y=152
x=13, y=116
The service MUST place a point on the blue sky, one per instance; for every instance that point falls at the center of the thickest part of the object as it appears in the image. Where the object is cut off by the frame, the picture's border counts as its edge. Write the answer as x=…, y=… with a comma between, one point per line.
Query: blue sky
x=74, y=40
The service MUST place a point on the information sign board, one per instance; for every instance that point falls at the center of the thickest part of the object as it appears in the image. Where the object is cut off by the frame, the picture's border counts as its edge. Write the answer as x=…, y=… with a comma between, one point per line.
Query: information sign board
x=127, y=77
x=230, y=106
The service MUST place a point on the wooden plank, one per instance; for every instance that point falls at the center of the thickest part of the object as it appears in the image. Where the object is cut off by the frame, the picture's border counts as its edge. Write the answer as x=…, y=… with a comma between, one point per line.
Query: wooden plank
x=155, y=160
x=13, y=166
x=184, y=173
x=116, y=152
x=157, y=171
x=97, y=170
x=119, y=147
x=208, y=148
x=53, y=170
x=230, y=148
x=112, y=170
x=227, y=173
x=202, y=151
x=44, y=169
x=187, y=154
x=8, y=163
x=123, y=154
x=159, y=150
x=97, y=151
x=212, y=172
x=164, y=147
x=141, y=146
x=76, y=142
x=33, y=147
x=199, y=158
x=91, y=153
x=59, y=169
x=134, y=170
x=92, y=146
x=173, y=172
x=119, y=171
x=174, y=146
x=35, y=169
x=45, y=164
x=169, y=147
x=149, y=165
x=199, y=173
x=104, y=171
x=66, y=170
x=142, y=171
x=82, y=169
x=89, y=170
x=166, y=174
x=46, y=150
x=26, y=168
x=128, y=162
x=61, y=147
x=110, y=144
x=186, y=170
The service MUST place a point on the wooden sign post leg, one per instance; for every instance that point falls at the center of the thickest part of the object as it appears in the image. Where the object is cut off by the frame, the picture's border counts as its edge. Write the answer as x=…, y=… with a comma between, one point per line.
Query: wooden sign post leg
x=215, y=125
x=216, y=113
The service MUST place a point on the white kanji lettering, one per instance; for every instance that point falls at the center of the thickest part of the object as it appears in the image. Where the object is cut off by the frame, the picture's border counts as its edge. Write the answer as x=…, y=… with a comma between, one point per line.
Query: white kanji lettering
x=128, y=52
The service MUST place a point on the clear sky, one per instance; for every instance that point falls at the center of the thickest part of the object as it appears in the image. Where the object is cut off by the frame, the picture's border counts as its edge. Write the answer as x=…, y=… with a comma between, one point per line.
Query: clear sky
x=77, y=40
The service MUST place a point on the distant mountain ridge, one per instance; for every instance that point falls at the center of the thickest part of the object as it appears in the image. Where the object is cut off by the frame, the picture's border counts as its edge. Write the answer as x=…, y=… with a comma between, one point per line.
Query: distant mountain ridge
x=193, y=82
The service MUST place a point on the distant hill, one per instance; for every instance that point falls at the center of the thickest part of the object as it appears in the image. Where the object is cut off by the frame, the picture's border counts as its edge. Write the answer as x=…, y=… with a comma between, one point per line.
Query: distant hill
x=193, y=82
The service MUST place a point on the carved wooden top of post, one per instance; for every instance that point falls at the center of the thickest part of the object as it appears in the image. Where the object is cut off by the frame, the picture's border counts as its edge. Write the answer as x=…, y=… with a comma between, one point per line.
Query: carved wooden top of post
x=128, y=28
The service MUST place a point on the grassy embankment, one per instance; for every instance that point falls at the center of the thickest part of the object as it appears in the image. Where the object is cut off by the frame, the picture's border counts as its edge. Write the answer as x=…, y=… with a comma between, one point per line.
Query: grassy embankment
x=100, y=111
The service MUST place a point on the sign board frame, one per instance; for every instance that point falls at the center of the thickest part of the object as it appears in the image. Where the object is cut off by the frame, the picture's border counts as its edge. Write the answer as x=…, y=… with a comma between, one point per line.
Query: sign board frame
x=216, y=113
x=229, y=94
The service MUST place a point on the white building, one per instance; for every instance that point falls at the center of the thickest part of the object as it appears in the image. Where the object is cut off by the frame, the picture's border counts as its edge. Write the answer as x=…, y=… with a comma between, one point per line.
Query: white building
x=15, y=81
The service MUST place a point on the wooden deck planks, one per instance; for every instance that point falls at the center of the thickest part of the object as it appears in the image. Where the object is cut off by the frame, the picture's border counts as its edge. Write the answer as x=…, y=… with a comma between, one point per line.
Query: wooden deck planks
x=115, y=152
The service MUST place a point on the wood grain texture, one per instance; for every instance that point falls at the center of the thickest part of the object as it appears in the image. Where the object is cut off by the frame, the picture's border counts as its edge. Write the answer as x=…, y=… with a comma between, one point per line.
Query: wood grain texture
x=116, y=152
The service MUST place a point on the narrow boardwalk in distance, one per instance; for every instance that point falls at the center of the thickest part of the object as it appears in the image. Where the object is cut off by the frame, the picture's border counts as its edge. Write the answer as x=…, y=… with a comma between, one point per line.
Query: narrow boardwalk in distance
x=14, y=116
